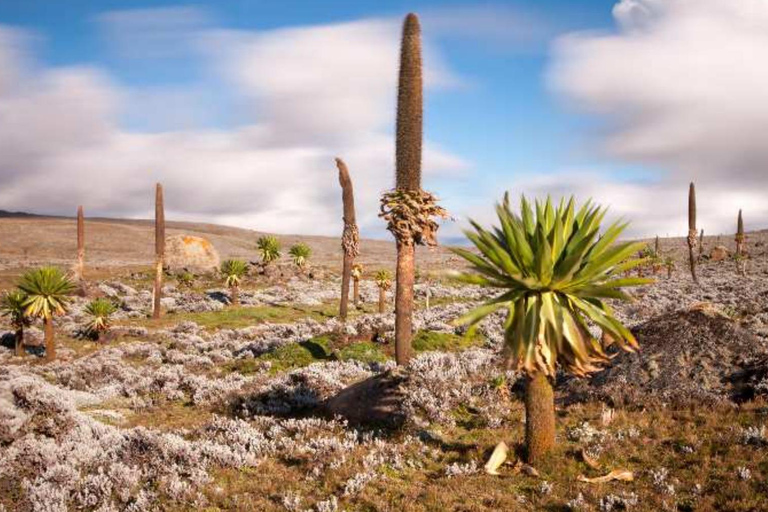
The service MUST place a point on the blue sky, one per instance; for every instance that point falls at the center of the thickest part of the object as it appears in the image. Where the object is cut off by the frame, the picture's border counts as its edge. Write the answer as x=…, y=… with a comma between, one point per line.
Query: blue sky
x=509, y=109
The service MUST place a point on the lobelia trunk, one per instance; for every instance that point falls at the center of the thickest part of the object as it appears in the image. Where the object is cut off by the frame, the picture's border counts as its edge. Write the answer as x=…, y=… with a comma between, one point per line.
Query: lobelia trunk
x=408, y=148
x=692, y=231
x=50, y=345
x=356, y=292
x=349, y=237
x=235, y=295
x=19, y=338
x=382, y=300
x=404, y=303
x=159, y=250
x=539, y=417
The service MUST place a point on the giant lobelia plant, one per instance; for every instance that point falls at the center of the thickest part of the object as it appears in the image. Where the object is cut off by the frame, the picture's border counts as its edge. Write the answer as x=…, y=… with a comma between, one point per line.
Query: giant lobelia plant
x=48, y=292
x=553, y=274
x=409, y=210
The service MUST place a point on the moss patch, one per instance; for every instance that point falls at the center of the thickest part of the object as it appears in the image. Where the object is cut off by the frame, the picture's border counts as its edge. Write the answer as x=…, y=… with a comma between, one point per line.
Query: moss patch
x=363, y=351
x=425, y=341
x=297, y=355
x=239, y=317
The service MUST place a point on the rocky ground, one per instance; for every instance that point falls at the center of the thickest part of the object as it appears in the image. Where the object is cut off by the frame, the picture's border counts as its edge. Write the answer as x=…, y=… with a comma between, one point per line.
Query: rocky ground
x=222, y=408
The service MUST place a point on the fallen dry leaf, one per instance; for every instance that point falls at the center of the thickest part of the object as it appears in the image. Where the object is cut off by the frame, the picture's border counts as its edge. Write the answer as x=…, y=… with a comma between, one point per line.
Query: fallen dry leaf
x=589, y=461
x=529, y=470
x=617, y=474
x=497, y=458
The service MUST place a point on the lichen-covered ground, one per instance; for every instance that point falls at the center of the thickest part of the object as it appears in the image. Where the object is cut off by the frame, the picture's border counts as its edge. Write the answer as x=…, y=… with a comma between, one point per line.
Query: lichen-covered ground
x=218, y=408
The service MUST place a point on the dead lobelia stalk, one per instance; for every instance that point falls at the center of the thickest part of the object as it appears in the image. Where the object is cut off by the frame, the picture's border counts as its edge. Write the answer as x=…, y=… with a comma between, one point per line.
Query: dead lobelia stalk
x=741, y=253
x=350, y=237
x=692, y=230
x=159, y=250
x=80, y=265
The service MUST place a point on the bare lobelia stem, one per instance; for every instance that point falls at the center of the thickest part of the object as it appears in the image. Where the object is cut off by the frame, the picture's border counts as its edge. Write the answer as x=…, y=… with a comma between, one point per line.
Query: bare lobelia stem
x=692, y=230
x=350, y=238
x=159, y=250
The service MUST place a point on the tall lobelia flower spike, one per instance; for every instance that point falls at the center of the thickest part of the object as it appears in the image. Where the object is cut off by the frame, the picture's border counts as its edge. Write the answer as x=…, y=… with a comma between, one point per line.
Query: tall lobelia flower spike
x=350, y=237
x=740, y=255
x=692, y=230
x=80, y=265
x=740, y=234
x=159, y=249
x=409, y=210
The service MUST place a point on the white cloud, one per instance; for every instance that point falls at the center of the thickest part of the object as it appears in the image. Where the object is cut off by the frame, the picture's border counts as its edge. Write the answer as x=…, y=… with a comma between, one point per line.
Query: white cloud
x=682, y=86
x=313, y=93
x=327, y=84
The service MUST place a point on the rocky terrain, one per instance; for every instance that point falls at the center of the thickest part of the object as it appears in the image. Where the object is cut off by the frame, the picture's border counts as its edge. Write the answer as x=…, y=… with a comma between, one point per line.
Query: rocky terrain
x=222, y=408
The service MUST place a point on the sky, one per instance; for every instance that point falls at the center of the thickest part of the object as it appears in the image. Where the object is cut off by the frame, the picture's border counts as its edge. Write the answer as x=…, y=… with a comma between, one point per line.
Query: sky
x=240, y=107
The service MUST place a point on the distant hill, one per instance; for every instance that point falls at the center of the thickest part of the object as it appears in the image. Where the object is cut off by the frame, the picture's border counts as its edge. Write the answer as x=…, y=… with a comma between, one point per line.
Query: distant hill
x=28, y=239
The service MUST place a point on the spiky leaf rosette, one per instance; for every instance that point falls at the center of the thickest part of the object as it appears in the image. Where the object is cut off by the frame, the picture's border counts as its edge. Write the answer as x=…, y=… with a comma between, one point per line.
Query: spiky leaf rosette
x=48, y=292
x=100, y=311
x=383, y=279
x=555, y=274
x=269, y=248
x=185, y=279
x=300, y=253
x=357, y=271
x=12, y=306
x=410, y=216
x=233, y=271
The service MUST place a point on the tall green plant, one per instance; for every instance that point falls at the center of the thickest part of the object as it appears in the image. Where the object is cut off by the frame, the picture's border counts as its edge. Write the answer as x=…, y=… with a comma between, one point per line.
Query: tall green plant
x=12, y=306
x=48, y=293
x=269, y=248
x=233, y=272
x=553, y=274
x=300, y=254
x=408, y=209
x=100, y=312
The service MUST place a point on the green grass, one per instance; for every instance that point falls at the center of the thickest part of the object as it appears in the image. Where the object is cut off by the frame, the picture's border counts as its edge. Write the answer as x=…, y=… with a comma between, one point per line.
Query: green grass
x=240, y=317
x=363, y=351
x=426, y=341
x=297, y=355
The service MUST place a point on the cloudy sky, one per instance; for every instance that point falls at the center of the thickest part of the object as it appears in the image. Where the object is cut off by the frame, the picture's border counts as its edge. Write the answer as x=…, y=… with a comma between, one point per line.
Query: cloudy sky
x=239, y=108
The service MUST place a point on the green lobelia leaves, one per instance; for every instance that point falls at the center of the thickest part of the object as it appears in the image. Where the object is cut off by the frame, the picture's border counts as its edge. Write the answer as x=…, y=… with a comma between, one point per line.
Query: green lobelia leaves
x=554, y=271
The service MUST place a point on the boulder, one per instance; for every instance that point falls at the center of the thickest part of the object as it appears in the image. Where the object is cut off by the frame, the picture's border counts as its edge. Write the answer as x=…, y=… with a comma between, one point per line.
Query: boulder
x=374, y=401
x=719, y=253
x=190, y=253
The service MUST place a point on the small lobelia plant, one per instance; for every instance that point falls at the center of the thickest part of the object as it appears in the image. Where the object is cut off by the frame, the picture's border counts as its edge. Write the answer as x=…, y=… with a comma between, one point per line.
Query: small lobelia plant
x=233, y=272
x=553, y=274
x=12, y=306
x=185, y=280
x=669, y=264
x=100, y=312
x=269, y=248
x=300, y=253
x=356, y=274
x=48, y=292
x=383, y=280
